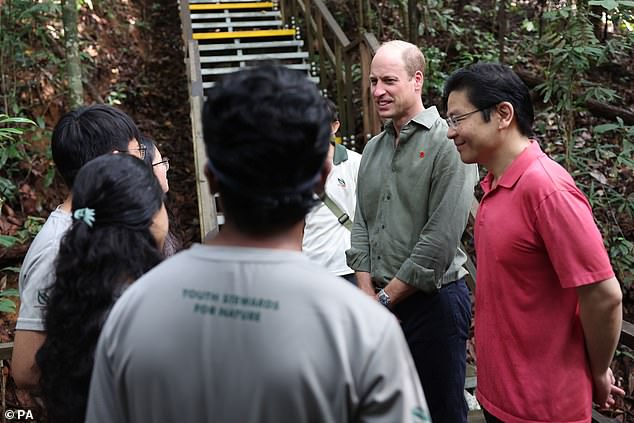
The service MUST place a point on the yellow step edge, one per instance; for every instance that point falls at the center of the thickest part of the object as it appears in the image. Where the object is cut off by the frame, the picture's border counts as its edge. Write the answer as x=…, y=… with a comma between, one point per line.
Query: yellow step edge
x=244, y=34
x=223, y=6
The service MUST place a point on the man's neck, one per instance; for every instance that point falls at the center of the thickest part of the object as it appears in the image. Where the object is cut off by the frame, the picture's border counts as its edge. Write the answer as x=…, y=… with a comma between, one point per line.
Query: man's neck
x=400, y=122
x=510, y=148
x=230, y=236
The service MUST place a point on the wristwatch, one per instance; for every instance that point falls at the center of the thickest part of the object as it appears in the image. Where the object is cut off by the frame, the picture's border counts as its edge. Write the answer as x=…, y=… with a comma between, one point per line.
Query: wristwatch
x=384, y=298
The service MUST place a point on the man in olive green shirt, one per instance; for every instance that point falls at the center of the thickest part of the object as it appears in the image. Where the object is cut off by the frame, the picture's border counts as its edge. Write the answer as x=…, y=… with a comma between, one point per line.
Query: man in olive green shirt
x=414, y=195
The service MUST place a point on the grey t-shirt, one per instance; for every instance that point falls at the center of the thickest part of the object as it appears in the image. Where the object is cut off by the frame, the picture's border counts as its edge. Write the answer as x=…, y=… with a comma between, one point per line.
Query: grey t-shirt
x=38, y=271
x=230, y=334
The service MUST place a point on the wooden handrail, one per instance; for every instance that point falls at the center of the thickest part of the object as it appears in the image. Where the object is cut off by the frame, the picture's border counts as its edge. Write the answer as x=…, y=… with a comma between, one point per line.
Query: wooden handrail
x=331, y=23
x=336, y=54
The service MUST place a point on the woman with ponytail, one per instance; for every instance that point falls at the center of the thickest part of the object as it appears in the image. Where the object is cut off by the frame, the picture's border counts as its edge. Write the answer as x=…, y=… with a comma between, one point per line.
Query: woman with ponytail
x=118, y=230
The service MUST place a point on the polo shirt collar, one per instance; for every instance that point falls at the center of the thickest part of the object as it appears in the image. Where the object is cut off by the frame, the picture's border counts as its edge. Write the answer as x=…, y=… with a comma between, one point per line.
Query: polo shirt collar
x=341, y=154
x=426, y=118
x=516, y=169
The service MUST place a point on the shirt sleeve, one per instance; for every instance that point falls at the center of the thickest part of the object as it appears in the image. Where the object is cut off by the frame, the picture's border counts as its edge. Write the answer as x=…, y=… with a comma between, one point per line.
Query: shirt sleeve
x=37, y=275
x=450, y=200
x=391, y=389
x=573, y=242
x=358, y=256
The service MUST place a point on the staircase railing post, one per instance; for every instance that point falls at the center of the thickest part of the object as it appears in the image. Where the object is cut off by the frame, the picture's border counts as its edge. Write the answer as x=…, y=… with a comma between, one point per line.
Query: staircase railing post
x=322, y=50
x=348, y=85
x=309, y=30
x=339, y=81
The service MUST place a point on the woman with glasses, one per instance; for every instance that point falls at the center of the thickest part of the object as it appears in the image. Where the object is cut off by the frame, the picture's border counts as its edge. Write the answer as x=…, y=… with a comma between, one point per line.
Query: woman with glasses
x=118, y=229
x=160, y=166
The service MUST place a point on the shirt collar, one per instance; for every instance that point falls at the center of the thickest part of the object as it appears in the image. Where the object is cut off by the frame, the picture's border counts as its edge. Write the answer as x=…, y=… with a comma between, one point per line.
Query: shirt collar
x=516, y=169
x=341, y=154
x=426, y=118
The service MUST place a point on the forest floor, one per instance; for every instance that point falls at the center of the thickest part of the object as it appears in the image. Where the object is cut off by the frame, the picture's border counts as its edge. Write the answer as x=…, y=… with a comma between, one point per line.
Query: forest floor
x=145, y=63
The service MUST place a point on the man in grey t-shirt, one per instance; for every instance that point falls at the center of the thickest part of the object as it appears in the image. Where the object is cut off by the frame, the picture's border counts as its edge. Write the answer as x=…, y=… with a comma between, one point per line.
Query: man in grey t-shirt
x=79, y=136
x=246, y=329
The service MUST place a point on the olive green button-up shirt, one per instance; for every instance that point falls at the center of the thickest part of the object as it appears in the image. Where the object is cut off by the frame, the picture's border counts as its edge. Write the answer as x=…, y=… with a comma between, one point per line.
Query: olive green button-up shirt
x=413, y=203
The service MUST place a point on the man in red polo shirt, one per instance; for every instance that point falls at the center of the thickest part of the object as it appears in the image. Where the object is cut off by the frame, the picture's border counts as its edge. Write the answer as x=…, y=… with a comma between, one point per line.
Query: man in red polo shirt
x=548, y=304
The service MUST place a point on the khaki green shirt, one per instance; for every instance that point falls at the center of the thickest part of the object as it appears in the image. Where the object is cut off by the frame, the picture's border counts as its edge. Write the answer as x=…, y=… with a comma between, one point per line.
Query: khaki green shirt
x=412, y=206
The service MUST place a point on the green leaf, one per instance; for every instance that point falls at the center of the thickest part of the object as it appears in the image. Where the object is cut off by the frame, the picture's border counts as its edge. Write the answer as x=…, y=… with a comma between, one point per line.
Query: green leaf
x=7, y=241
x=528, y=25
x=11, y=292
x=606, y=127
x=7, y=306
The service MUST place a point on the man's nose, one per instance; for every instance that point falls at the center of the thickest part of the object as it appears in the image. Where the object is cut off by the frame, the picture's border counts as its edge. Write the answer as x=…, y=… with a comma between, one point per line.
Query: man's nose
x=451, y=133
x=378, y=90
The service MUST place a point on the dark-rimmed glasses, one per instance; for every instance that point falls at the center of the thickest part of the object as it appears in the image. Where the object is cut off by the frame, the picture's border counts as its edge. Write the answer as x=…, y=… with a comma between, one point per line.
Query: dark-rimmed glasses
x=454, y=121
x=142, y=149
x=165, y=162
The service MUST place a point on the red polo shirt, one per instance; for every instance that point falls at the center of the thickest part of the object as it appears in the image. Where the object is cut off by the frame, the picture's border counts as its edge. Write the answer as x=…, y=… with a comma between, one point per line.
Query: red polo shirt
x=536, y=241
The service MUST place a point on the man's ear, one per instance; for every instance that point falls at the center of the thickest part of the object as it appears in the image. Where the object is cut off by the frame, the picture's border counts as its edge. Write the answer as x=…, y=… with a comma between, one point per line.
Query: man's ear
x=419, y=79
x=506, y=112
x=211, y=180
x=334, y=127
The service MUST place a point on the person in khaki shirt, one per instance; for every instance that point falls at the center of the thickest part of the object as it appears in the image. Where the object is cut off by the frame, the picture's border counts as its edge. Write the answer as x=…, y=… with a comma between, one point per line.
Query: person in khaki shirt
x=413, y=199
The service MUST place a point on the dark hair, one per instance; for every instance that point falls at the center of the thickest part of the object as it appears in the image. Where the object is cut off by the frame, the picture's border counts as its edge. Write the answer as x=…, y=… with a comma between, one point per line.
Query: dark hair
x=88, y=132
x=150, y=145
x=94, y=265
x=266, y=132
x=332, y=109
x=488, y=84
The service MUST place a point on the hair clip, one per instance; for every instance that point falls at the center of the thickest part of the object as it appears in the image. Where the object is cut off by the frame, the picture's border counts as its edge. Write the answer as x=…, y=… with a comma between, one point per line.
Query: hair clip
x=86, y=214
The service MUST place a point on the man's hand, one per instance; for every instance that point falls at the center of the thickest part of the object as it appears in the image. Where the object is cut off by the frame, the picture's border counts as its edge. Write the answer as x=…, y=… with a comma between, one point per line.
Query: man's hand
x=604, y=390
x=364, y=282
x=399, y=290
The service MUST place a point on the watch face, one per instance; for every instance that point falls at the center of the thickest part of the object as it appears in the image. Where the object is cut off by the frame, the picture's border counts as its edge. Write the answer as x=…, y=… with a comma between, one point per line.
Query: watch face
x=384, y=298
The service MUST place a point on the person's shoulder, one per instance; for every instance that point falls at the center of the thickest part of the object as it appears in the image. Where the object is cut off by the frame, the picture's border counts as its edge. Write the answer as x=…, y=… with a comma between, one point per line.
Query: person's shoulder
x=545, y=174
x=48, y=239
x=375, y=139
x=353, y=155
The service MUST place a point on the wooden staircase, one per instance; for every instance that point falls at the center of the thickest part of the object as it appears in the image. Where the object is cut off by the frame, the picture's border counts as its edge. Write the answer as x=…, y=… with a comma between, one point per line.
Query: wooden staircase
x=239, y=33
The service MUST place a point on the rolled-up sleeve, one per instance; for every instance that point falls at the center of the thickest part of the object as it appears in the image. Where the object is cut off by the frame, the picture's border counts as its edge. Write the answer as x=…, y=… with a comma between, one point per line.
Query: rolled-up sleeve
x=358, y=256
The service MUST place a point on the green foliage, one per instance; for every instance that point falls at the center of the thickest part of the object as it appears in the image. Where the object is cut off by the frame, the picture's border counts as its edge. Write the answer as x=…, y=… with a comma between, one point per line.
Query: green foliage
x=621, y=12
x=617, y=204
x=7, y=305
x=570, y=54
x=434, y=76
x=12, y=155
x=479, y=46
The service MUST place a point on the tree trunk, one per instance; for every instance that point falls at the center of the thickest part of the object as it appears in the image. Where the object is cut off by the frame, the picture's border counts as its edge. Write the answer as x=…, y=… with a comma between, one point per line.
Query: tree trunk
x=71, y=44
x=412, y=17
x=502, y=24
